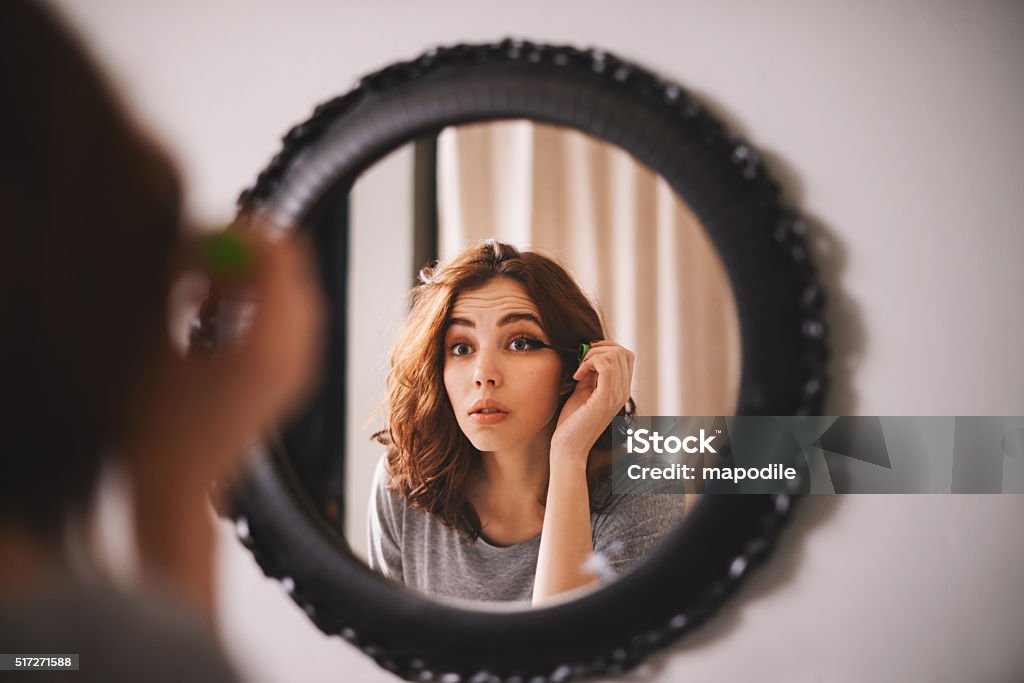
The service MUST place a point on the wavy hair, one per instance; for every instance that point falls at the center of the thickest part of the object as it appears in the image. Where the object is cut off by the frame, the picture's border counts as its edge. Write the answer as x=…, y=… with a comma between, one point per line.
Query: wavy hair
x=429, y=458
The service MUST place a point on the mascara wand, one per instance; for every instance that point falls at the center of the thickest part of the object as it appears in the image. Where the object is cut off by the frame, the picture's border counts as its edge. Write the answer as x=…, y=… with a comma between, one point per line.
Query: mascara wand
x=580, y=351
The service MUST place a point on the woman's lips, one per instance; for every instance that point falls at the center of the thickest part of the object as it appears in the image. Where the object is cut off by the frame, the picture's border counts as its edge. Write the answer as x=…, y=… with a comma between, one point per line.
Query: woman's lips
x=487, y=411
x=487, y=418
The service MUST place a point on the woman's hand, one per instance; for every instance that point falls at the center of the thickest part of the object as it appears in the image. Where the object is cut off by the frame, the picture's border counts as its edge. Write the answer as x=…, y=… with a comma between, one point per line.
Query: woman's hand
x=196, y=417
x=210, y=407
x=603, y=382
x=603, y=385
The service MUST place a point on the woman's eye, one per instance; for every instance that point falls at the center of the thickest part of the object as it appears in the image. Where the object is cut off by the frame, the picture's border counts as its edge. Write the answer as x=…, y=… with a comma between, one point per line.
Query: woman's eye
x=459, y=349
x=523, y=344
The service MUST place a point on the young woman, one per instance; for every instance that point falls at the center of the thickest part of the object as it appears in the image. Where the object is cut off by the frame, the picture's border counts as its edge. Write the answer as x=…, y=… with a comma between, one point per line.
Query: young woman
x=497, y=481
x=90, y=241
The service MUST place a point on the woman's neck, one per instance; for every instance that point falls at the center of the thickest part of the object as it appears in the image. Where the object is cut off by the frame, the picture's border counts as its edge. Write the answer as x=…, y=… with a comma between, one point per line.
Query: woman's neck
x=511, y=478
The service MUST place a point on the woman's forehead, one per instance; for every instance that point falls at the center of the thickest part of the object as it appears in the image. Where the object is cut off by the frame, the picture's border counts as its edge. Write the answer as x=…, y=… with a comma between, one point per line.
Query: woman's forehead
x=496, y=299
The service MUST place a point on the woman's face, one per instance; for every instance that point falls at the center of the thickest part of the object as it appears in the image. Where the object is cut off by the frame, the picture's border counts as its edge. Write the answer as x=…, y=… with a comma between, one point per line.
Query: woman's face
x=504, y=390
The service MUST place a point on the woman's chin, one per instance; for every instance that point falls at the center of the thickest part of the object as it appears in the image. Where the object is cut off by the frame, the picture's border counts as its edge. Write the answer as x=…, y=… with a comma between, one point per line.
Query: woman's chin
x=488, y=439
x=486, y=444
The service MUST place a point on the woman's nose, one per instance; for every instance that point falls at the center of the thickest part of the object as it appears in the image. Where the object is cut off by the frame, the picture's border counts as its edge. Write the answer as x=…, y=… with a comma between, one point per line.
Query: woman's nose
x=486, y=371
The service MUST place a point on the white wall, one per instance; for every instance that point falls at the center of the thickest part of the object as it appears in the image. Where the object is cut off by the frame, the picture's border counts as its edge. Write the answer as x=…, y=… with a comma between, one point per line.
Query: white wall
x=895, y=127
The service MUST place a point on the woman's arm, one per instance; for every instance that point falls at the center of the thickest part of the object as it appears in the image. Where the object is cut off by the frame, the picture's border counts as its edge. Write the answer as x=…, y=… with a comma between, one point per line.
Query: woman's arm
x=565, y=540
x=604, y=379
x=199, y=415
x=173, y=525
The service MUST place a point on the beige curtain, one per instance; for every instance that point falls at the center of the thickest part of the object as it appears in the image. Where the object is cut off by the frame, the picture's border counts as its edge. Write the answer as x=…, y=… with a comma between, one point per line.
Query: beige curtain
x=632, y=244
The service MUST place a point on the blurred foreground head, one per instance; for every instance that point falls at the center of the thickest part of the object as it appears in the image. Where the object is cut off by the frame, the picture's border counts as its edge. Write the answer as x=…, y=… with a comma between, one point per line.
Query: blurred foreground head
x=89, y=219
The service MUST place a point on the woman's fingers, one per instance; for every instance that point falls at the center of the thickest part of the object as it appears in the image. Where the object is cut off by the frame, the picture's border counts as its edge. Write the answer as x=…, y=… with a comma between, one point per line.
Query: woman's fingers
x=279, y=353
x=212, y=405
x=258, y=378
x=612, y=366
x=623, y=360
x=603, y=384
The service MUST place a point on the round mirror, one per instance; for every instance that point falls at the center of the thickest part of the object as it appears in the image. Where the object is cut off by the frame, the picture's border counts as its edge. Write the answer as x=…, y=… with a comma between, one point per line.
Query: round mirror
x=619, y=230
x=479, y=213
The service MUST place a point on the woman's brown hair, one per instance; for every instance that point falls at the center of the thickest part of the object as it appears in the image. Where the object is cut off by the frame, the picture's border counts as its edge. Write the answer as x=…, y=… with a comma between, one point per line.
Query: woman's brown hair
x=89, y=220
x=430, y=458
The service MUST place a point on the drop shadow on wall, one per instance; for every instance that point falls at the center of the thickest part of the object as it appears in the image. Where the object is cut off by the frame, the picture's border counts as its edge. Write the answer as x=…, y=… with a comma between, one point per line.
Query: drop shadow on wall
x=847, y=335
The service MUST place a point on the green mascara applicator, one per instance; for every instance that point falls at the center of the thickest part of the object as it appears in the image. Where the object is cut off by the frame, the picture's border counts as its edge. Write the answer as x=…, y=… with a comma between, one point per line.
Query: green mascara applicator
x=226, y=256
x=227, y=259
x=580, y=351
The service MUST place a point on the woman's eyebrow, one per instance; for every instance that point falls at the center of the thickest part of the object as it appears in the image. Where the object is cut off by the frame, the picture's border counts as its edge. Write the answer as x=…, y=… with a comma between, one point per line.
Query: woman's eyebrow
x=516, y=317
x=507, y=320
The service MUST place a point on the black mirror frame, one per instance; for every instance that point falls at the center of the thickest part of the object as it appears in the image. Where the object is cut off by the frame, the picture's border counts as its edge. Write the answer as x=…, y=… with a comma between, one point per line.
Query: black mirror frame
x=762, y=242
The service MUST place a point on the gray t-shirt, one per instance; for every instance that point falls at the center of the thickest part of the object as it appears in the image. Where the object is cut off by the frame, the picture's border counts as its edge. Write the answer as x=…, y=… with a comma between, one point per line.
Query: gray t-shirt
x=415, y=548
x=147, y=635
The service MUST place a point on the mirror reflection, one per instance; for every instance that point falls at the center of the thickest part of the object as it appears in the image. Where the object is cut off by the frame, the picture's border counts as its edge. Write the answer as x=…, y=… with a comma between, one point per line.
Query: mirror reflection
x=488, y=475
